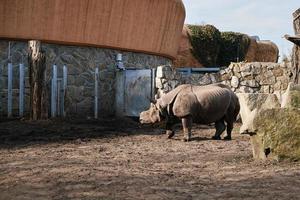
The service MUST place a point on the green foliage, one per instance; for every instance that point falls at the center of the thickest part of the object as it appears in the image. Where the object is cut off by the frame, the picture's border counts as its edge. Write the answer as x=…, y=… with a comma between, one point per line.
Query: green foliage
x=206, y=43
x=279, y=130
x=213, y=48
x=234, y=47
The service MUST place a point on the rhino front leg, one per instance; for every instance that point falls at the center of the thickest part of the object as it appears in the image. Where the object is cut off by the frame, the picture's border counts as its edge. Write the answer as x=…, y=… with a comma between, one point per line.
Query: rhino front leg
x=220, y=128
x=187, y=128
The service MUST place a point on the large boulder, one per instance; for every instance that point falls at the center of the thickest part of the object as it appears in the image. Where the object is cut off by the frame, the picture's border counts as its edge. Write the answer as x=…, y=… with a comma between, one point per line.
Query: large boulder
x=251, y=105
x=277, y=134
x=291, y=98
x=274, y=128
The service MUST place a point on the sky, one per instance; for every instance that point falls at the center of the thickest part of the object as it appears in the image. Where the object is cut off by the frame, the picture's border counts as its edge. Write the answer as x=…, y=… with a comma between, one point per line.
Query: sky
x=268, y=19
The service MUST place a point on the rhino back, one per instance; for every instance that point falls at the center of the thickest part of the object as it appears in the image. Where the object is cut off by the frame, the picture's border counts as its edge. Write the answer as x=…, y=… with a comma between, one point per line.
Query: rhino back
x=169, y=98
x=206, y=104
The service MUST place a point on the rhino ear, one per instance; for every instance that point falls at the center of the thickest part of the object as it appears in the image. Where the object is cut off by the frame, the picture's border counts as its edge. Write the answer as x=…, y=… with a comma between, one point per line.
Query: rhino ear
x=151, y=100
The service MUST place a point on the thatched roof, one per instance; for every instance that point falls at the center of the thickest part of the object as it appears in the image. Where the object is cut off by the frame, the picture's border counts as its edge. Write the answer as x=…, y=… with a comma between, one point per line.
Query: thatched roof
x=294, y=39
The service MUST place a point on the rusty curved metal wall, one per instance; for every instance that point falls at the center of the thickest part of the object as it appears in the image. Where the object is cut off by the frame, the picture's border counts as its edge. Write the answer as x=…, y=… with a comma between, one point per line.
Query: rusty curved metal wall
x=150, y=26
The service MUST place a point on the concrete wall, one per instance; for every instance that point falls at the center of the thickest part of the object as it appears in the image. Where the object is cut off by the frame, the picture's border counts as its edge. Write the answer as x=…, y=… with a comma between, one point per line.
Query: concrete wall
x=81, y=62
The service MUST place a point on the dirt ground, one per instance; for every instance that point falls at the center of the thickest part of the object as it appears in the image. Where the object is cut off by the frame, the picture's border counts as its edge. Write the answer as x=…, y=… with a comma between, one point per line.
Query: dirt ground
x=118, y=159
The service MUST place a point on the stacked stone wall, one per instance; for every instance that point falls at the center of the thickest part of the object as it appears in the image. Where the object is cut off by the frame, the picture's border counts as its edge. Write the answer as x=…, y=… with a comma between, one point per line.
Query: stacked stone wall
x=256, y=77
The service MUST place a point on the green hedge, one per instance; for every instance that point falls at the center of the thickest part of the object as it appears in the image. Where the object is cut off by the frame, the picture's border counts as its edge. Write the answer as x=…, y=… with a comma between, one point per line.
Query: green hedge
x=206, y=43
x=234, y=47
x=213, y=48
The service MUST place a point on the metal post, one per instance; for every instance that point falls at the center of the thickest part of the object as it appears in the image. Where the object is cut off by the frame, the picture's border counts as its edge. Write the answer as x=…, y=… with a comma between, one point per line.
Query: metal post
x=65, y=81
x=21, y=90
x=54, y=91
x=96, y=92
x=58, y=97
x=9, y=89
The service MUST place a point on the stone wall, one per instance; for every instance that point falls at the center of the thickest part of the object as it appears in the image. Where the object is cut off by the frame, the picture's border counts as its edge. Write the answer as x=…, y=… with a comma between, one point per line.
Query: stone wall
x=257, y=77
x=81, y=63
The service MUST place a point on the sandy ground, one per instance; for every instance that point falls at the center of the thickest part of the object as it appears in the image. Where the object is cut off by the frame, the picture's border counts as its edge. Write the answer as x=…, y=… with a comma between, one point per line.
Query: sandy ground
x=118, y=159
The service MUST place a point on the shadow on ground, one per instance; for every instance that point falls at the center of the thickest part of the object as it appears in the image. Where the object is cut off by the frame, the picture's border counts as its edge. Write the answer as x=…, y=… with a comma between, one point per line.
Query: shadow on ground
x=20, y=133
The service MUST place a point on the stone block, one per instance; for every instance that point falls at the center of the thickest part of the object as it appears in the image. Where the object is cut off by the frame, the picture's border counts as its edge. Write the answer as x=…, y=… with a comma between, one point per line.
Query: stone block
x=277, y=134
x=291, y=97
x=234, y=82
x=250, y=83
x=251, y=105
x=278, y=71
x=246, y=67
x=205, y=80
x=162, y=70
x=265, y=89
x=158, y=83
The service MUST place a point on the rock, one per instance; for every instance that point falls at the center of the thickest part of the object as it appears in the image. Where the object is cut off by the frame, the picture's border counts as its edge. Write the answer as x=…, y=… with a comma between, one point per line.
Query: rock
x=161, y=70
x=246, y=89
x=225, y=77
x=250, y=83
x=291, y=98
x=246, y=67
x=277, y=134
x=235, y=82
x=277, y=71
x=265, y=89
x=251, y=104
x=158, y=83
x=205, y=80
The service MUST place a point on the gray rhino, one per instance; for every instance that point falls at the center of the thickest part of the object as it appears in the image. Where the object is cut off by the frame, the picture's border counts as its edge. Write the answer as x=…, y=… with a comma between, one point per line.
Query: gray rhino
x=214, y=103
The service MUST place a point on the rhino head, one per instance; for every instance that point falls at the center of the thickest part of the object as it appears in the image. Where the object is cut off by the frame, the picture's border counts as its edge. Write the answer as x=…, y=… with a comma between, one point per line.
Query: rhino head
x=152, y=115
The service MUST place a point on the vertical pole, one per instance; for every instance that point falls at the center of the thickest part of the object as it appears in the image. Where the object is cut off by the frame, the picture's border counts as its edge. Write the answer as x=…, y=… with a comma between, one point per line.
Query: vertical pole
x=96, y=92
x=54, y=91
x=65, y=81
x=21, y=90
x=9, y=90
x=58, y=109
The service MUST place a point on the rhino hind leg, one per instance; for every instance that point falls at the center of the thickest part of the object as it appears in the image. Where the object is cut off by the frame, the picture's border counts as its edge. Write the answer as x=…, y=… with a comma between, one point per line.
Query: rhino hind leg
x=229, y=130
x=187, y=128
x=220, y=128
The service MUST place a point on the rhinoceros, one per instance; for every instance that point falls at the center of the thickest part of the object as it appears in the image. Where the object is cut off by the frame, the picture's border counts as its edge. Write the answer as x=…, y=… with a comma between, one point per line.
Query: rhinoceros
x=214, y=103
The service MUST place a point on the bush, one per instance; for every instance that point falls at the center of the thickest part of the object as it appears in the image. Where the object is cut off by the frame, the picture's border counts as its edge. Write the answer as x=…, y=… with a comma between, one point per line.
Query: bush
x=234, y=47
x=205, y=41
x=213, y=48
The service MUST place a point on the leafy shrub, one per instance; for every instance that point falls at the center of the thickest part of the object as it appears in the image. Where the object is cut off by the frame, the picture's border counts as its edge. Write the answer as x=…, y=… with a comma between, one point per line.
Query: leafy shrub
x=213, y=48
x=205, y=41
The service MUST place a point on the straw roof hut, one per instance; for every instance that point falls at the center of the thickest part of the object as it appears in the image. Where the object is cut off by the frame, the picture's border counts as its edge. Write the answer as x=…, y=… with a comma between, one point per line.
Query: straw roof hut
x=262, y=51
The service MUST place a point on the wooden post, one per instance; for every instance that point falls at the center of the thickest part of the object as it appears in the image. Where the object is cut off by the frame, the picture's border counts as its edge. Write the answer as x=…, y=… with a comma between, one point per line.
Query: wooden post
x=37, y=80
x=296, y=48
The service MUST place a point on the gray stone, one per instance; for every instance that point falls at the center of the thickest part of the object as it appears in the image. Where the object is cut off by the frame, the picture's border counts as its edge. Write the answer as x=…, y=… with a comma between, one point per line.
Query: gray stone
x=245, y=89
x=246, y=67
x=265, y=89
x=235, y=82
x=205, y=80
x=251, y=105
x=245, y=74
x=158, y=83
x=249, y=83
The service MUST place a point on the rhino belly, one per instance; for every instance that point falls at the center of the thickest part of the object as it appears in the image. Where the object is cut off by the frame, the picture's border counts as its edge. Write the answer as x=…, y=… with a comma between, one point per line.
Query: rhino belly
x=205, y=107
